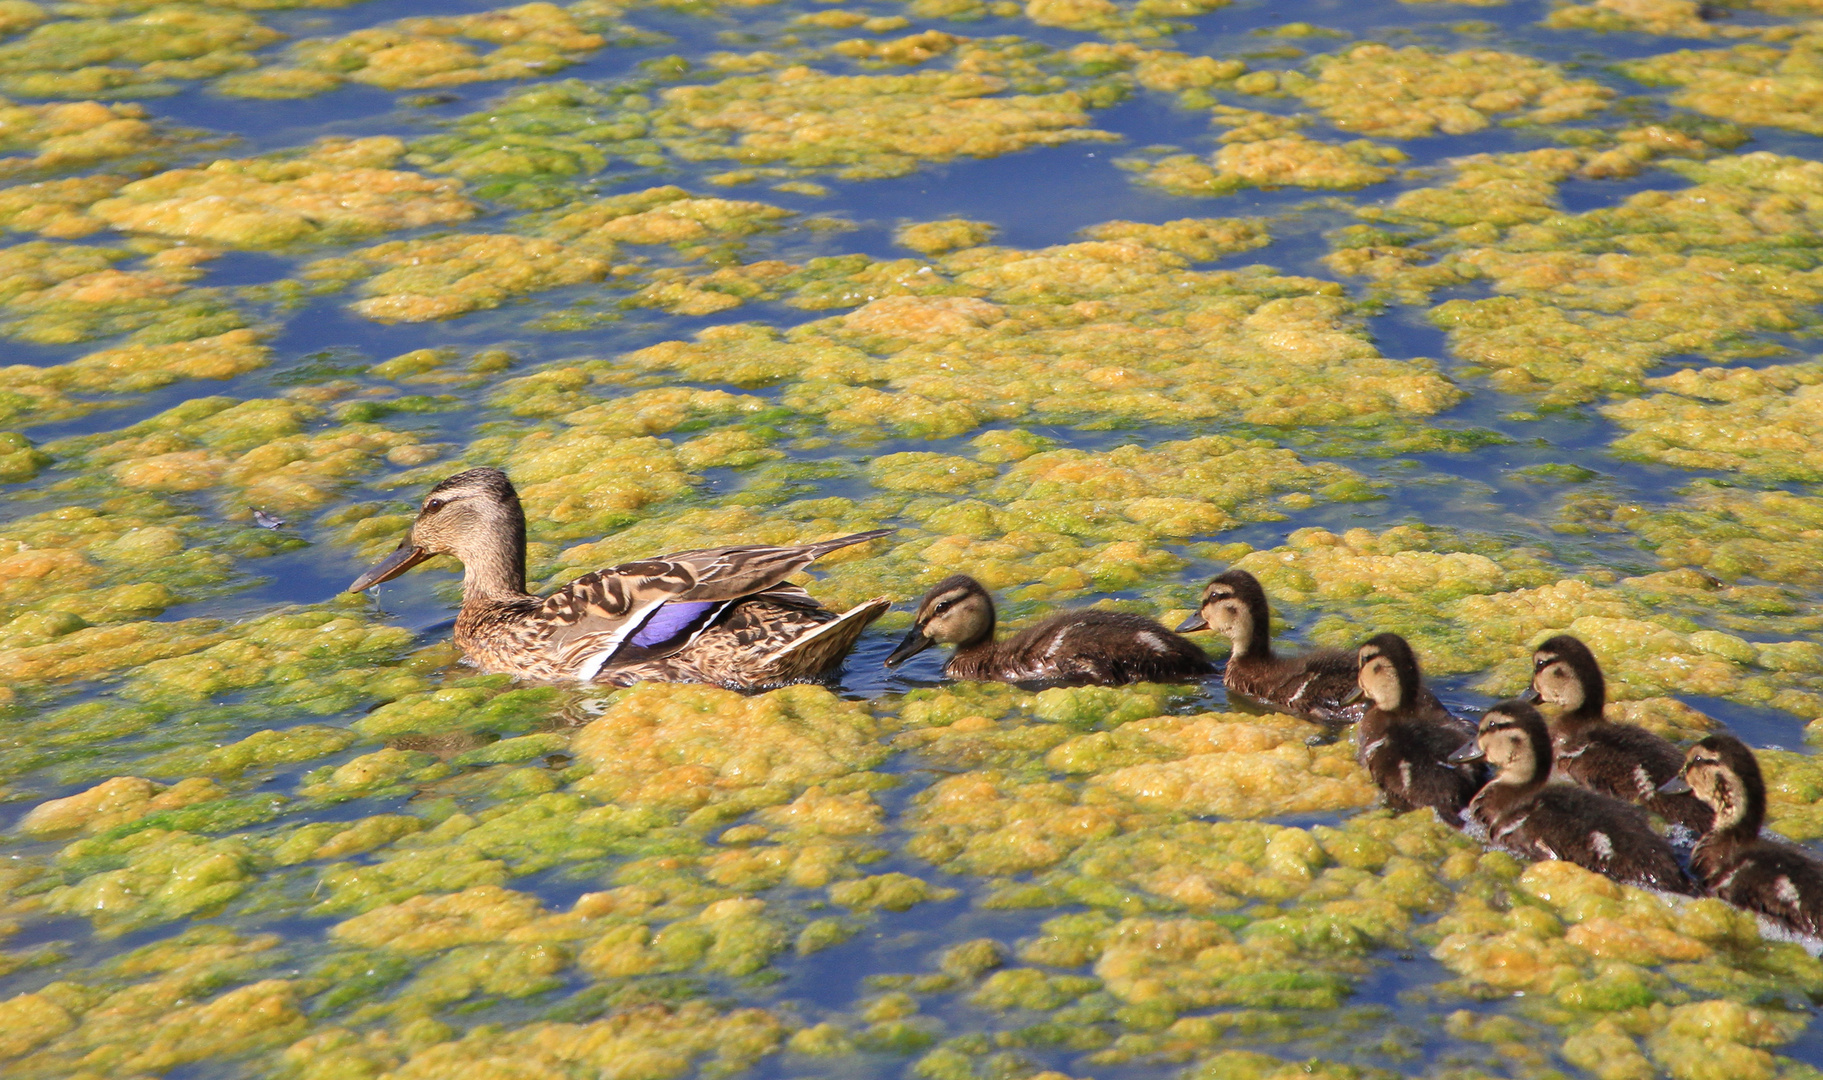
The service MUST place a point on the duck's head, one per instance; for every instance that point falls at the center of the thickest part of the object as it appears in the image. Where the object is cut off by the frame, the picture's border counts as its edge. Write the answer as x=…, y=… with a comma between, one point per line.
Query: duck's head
x=476, y=517
x=957, y=611
x=1723, y=772
x=1565, y=674
x=1233, y=605
x=1387, y=673
x=1514, y=740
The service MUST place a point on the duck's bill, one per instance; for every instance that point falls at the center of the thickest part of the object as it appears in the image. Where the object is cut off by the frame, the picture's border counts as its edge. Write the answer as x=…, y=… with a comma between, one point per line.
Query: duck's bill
x=1354, y=695
x=911, y=645
x=1677, y=785
x=1531, y=696
x=1466, y=752
x=403, y=558
x=1193, y=623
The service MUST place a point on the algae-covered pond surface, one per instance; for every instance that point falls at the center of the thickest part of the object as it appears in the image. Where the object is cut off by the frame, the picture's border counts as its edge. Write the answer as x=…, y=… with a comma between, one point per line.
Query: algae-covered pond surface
x=1474, y=322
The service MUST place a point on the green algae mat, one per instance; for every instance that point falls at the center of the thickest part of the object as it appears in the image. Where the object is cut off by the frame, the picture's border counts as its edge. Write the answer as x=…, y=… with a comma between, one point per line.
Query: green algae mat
x=1476, y=322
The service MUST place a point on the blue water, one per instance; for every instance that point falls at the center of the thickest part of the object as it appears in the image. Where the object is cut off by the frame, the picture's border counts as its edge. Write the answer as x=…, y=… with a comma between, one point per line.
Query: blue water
x=1042, y=197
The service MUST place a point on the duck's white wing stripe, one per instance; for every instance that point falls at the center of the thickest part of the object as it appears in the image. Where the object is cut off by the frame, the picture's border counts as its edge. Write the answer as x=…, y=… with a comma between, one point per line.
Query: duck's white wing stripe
x=809, y=636
x=590, y=665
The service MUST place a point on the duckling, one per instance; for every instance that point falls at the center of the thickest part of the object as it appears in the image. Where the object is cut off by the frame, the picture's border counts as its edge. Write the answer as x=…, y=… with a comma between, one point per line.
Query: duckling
x=1311, y=686
x=1529, y=816
x=1780, y=881
x=1403, y=750
x=1075, y=648
x=1621, y=760
x=724, y=616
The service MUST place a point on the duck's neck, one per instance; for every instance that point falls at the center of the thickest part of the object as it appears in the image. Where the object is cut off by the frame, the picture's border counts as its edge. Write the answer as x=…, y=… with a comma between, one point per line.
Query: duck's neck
x=1523, y=777
x=1586, y=711
x=495, y=572
x=1376, y=720
x=1582, y=716
x=1739, y=813
x=1251, y=637
x=977, y=661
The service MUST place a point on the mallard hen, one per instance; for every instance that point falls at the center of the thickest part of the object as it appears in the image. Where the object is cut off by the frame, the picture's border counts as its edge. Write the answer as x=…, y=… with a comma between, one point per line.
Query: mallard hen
x=724, y=616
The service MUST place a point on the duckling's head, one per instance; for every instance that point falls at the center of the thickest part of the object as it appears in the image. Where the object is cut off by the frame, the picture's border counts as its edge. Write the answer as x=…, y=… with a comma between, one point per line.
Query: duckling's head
x=1515, y=741
x=957, y=611
x=1565, y=674
x=1388, y=672
x=476, y=517
x=1234, y=606
x=1723, y=772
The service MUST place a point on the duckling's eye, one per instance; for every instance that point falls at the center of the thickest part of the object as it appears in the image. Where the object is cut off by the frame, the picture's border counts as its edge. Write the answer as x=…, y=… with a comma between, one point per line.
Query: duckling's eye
x=433, y=506
x=1539, y=662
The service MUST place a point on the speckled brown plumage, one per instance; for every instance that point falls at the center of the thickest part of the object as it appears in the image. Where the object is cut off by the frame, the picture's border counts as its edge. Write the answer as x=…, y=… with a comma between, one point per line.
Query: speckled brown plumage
x=1733, y=861
x=714, y=615
x=1529, y=816
x=1627, y=762
x=1075, y=648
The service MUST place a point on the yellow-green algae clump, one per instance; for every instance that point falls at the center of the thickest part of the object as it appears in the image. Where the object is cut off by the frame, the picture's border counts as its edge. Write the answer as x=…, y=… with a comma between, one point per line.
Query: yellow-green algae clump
x=1412, y=92
x=1587, y=303
x=1291, y=160
x=1749, y=84
x=341, y=190
x=328, y=763
x=867, y=125
x=427, y=52
x=81, y=58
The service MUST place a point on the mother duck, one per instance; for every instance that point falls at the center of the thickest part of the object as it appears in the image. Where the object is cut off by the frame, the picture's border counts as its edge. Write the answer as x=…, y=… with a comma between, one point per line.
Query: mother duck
x=724, y=616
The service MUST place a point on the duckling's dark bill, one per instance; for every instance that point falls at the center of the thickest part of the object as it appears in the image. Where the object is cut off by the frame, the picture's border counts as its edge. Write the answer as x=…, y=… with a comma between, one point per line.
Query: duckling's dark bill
x=1677, y=785
x=911, y=645
x=403, y=558
x=1466, y=752
x=1192, y=624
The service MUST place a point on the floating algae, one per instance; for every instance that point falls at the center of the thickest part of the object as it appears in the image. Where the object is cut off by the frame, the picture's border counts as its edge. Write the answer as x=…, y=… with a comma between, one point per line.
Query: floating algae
x=1590, y=301
x=1748, y=84
x=130, y=57
x=424, y=53
x=258, y=830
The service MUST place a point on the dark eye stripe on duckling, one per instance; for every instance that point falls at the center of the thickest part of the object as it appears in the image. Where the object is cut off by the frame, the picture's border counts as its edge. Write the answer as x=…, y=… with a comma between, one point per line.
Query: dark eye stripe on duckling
x=944, y=603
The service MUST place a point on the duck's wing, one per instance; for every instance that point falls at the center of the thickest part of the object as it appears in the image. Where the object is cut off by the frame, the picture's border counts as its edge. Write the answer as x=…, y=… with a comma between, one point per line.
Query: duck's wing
x=726, y=573
x=1315, y=686
x=661, y=605
x=816, y=651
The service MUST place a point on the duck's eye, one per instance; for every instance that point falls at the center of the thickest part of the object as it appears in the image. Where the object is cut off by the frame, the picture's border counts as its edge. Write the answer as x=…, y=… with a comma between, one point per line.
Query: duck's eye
x=433, y=506
x=1539, y=662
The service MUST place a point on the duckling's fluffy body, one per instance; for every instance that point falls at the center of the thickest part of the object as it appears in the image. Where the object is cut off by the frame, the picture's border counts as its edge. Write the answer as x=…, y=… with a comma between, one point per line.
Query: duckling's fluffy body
x=1626, y=762
x=1312, y=686
x=1074, y=648
x=1529, y=816
x=1779, y=881
x=1400, y=744
x=724, y=616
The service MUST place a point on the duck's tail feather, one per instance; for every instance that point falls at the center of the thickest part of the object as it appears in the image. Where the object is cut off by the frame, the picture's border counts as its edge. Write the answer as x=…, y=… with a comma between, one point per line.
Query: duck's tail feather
x=821, y=648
